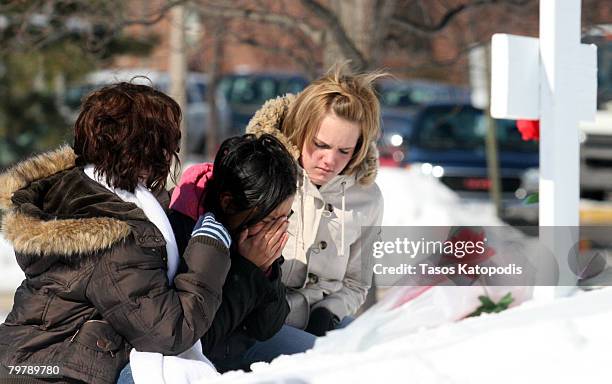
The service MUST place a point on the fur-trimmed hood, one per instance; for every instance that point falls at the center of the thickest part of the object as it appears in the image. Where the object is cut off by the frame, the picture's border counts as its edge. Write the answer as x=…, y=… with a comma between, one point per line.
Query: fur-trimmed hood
x=35, y=168
x=42, y=215
x=269, y=118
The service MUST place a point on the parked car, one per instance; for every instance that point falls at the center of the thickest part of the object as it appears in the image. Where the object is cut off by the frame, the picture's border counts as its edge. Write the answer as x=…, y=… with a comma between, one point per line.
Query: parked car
x=447, y=141
x=400, y=101
x=407, y=94
x=392, y=144
x=197, y=114
x=247, y=92
x=595, y=160
x=596, y=157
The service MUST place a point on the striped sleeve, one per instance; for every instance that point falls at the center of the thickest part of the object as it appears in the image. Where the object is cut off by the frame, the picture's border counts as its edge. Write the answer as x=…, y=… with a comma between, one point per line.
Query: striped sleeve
x=207, y=225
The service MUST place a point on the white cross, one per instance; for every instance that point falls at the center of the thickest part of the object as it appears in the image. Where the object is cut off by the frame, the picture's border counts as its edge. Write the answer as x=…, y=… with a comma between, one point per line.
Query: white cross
x=552, y=79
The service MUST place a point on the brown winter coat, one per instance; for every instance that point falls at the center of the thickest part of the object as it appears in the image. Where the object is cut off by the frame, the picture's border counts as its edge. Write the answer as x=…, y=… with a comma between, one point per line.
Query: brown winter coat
x=96, y=282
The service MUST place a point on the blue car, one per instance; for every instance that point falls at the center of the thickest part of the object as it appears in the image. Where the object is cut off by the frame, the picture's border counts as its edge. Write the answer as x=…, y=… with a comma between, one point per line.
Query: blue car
x=447, y=141
x=247, y=92
x=399, y=101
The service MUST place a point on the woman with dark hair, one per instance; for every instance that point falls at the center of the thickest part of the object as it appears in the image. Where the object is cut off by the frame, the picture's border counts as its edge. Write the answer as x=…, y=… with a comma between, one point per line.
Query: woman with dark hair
x=251, y=188
x=90, y=230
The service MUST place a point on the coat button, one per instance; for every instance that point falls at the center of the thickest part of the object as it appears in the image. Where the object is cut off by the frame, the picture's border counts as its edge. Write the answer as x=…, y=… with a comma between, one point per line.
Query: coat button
x=323, y=244
x=102, y=344
x=330, y=208
x=312, y=278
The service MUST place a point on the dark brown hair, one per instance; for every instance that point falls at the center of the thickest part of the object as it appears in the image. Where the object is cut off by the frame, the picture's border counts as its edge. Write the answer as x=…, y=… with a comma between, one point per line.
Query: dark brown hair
x=130, y=133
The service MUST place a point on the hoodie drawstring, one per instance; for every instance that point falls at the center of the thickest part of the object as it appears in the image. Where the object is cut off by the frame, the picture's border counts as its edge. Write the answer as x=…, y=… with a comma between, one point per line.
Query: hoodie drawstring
x=342, y=220
x=300, y=217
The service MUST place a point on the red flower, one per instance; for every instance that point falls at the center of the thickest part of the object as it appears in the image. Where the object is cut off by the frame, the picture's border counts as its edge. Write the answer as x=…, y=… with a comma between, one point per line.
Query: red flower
x=530, y=129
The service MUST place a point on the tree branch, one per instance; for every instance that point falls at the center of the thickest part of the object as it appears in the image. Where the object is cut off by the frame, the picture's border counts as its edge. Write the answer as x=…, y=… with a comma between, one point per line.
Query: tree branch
x=346, y=45
x=153, y=18
x=383, y=11
x=427, y=29
x=283, y=20
x=309, y=64
x=432, y=63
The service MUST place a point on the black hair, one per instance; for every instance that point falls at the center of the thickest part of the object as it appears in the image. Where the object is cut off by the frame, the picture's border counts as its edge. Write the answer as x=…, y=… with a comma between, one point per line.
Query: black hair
x=258, y=172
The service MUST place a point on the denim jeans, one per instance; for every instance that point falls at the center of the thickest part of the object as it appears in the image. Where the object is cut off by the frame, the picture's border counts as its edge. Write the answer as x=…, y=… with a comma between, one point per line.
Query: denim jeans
x=288, y=341
x=125, y=377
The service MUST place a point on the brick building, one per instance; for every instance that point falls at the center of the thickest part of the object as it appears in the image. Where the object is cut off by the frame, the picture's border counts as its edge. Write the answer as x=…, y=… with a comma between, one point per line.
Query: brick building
x=440, y=55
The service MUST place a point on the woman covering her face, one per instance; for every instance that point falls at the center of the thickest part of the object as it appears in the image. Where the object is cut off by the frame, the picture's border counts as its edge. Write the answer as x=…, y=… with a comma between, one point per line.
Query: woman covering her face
x=251, y=187
x=249, y=191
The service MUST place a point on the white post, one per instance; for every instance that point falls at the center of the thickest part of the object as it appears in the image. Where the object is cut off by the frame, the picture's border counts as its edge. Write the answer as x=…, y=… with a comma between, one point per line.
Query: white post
x=553, y=79
x=559, y=142
x=559, y=139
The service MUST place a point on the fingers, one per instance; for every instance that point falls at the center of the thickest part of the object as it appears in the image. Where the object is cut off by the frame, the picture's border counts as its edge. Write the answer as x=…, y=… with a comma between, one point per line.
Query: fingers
x=278, y=231
x=266, y=246
x=274, y=228
x=282, y=243
x=268, y=226
x=278, y=248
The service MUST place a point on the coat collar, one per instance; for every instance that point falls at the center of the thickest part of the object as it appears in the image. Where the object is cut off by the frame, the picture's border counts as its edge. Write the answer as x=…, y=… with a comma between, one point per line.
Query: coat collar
x=269, y=119
x=332, y=187
x=30, y=231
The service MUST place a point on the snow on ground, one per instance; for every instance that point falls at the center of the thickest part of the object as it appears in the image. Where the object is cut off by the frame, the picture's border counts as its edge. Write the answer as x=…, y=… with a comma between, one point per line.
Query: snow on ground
x=10, y=273
x=421, y=341
x=561, y=341
x=10, y=277
x=412, y=198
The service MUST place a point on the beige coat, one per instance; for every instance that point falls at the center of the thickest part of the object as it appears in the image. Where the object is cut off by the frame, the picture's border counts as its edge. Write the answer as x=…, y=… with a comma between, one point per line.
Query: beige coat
x=324, y=265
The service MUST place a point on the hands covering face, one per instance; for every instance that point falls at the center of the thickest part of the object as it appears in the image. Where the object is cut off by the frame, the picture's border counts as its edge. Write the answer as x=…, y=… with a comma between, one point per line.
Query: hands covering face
x=265, y=246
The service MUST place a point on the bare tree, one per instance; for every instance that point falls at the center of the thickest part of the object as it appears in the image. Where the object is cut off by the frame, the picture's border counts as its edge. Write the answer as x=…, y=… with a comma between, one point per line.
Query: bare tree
x=311, y=33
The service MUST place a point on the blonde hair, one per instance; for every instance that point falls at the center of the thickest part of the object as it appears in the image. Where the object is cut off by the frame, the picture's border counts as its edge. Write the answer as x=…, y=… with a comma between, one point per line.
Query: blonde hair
x=350, y=97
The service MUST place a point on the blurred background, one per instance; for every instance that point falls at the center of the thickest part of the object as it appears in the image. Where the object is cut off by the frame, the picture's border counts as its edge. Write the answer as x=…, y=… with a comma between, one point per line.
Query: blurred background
x=223, y=59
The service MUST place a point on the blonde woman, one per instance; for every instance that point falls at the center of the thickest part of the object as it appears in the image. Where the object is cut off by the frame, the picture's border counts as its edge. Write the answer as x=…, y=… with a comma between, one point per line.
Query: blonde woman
x=331, y=129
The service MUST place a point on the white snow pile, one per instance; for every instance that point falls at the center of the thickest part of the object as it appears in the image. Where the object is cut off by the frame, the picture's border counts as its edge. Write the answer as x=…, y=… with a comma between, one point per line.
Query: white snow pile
x=420, y=334
x=560, y=341
x=412, y=198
